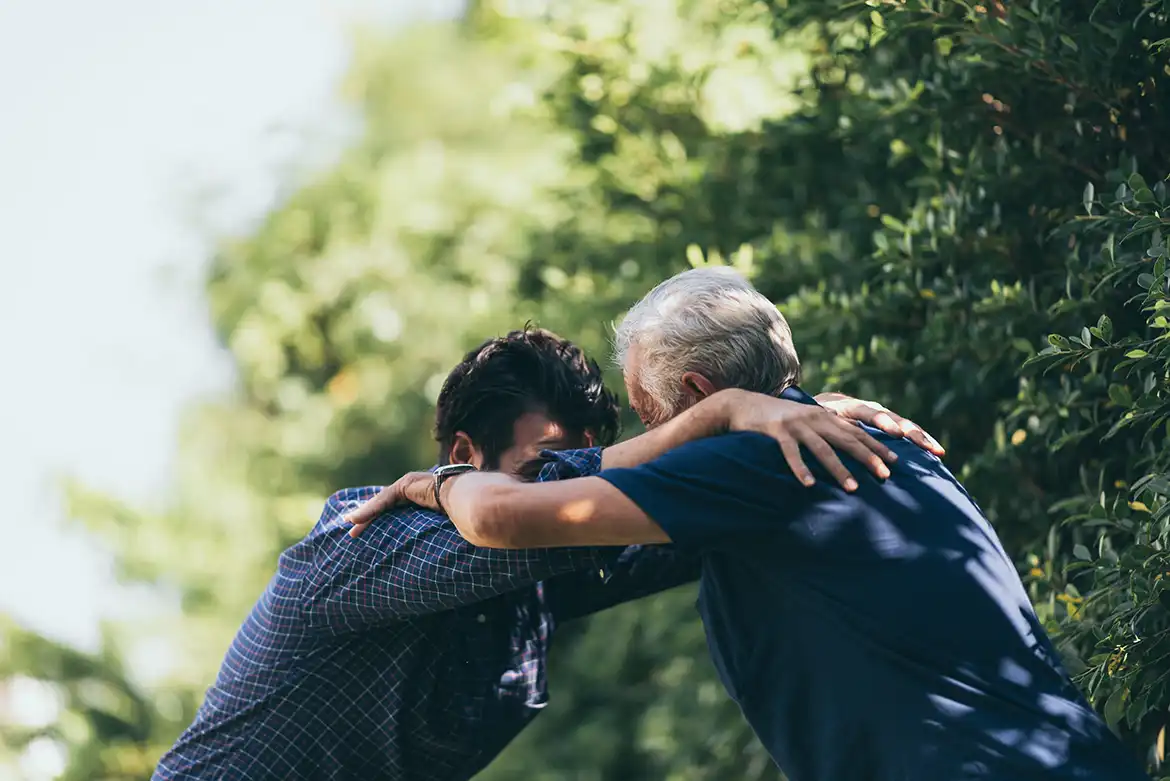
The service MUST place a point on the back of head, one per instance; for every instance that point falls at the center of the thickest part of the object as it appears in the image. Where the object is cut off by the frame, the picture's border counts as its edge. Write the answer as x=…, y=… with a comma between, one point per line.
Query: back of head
x=529, y=370
x=710, y=321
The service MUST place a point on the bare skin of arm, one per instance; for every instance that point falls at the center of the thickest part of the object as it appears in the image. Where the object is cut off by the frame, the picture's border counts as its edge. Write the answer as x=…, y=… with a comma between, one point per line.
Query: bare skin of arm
x=792, y=425
x=493, y=510
x=498, y=511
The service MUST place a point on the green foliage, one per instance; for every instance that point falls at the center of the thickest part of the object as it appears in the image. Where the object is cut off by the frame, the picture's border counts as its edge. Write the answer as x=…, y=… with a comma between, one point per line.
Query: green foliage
x=112, y=727
x=904, y=207
x=1110, y=595
x=927, y=188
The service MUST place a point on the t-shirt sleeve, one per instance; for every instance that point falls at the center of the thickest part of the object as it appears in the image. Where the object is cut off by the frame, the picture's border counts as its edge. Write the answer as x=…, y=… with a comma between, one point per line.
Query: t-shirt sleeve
x=711, y=490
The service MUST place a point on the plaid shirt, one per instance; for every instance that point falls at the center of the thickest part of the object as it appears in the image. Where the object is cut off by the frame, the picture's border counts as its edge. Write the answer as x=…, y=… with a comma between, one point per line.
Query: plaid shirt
x=406, y=654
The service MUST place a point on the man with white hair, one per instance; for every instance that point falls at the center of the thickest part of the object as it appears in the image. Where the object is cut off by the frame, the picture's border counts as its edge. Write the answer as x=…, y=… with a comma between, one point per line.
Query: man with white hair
x=879, y=633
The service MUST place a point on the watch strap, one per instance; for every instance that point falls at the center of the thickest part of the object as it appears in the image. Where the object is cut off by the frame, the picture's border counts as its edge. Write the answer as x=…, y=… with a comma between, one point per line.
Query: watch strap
x=444, y=473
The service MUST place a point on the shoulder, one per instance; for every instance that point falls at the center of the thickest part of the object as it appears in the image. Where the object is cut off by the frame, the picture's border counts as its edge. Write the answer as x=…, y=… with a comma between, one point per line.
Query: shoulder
x=349, y=499
x=742, y=463
x=742, y=449
x=745, y=444
x=721, y=463
x=341, y=502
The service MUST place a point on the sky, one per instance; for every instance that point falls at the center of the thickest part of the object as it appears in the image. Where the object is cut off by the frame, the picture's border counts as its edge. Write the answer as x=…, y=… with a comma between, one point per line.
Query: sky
x=115, y=119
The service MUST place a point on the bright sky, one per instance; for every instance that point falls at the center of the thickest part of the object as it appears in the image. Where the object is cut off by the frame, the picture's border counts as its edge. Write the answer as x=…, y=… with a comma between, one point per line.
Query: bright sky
x=113, y=116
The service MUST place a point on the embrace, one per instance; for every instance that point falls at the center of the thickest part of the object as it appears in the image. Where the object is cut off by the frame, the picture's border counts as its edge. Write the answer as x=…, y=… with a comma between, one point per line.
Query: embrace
x=858, y=607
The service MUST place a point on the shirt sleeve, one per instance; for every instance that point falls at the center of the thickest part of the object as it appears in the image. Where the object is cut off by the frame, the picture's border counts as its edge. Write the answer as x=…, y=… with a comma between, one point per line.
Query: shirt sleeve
x=717, y=489
x=639, y=571
x=567, y=464
x=411, y=562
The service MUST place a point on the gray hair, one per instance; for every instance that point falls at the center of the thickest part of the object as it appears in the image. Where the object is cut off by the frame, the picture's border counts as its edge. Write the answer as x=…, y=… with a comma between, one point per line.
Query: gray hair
x=711, y=321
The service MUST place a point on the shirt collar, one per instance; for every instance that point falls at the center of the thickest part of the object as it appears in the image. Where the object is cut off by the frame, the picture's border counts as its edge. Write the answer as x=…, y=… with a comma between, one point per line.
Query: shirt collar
x=564, y=464
x=794, y=393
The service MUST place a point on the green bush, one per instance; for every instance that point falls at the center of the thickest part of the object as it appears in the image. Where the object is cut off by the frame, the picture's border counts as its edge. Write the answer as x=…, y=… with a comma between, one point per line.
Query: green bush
x=1109, y=596
x=927, y=189
x=924, y=206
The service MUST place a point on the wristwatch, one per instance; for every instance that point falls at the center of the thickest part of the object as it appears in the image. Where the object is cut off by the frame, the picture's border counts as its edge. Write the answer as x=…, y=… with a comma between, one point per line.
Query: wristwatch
x=446, y=472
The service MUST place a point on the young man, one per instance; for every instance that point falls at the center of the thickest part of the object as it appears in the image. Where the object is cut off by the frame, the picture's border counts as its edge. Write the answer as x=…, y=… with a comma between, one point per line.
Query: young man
x=412, y=655
x=881, y=634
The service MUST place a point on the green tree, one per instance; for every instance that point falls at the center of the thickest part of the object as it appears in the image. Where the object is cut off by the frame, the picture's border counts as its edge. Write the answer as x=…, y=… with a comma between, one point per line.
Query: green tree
x=112, y=727
x=343, y=310
x=926, y=188
x=916, y=206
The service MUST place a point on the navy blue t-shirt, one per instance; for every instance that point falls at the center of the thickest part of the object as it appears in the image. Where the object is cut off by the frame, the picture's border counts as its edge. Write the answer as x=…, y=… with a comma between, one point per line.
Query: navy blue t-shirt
x=883, y=635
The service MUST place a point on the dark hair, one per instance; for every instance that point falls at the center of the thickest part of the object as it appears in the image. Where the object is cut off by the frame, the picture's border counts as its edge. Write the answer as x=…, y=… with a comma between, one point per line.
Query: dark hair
x=530, y=370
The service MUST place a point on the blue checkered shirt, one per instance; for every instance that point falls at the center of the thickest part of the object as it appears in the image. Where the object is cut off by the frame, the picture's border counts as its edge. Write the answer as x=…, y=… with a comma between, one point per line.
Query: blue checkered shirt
x=406, y=654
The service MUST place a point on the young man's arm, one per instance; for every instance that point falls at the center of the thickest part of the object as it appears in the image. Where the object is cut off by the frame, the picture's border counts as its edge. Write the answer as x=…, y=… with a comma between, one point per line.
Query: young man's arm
x=698, y=494
x=640, y=571
x=498, y=511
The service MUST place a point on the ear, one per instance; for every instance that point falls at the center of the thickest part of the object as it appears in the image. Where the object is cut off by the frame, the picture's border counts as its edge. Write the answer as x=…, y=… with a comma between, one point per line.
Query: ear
x=464, y=451
x=696, y=386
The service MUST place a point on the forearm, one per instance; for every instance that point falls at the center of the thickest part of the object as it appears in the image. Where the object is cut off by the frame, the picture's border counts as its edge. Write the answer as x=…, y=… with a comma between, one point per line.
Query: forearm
x=707, y=418
x=470, y=501
x=493, y=510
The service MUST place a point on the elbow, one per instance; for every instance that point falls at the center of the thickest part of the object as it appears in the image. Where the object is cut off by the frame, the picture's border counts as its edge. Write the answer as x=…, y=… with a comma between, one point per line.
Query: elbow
x=492, y=523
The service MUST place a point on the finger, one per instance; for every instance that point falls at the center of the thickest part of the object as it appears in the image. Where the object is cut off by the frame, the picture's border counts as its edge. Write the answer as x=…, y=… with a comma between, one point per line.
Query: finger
x=857, y=443
x=382, y=501
x=820, y=442
x=872, y=454
x=371, y=509
x=934, y=445
x=824, y=453
x=869, y=452
x=888, y=423
x=916, y=434
x=876, y=446
x=409, y=489
x=918, y=437
x=791, y=450
x=913, y=433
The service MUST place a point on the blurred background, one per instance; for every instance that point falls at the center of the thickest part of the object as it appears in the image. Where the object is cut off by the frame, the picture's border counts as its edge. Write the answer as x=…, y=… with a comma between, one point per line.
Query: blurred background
x=244, y=241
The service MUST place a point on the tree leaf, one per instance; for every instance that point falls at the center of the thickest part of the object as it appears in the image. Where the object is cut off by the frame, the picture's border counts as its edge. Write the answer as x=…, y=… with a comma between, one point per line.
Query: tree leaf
x=1114, y=708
